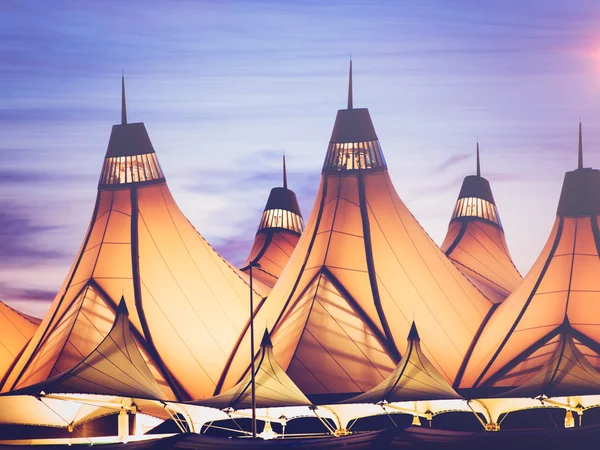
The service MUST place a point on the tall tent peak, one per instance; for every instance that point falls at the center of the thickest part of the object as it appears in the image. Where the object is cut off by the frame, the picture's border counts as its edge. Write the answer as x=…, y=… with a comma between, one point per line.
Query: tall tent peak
x=278, y=233
x=347, y=274
x=266, y=340
x=123, y=102
x=478, y=162
x=413, y=334
x=554, y=298
x=475, y=241
x=580, y=153
x=350, y=99
x=284, y=174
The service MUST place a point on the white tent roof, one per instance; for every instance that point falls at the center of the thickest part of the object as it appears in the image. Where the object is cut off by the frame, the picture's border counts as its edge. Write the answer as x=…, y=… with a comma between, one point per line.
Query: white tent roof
x=115, y=367
x=274, y=388
x=567, y=373
x=414, y=378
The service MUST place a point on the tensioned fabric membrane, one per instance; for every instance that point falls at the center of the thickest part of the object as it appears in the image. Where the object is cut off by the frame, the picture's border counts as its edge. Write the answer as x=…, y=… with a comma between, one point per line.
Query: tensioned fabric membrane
x=475, y=240
x=188, y=306
x=567, y=373
x=414, y=378
x=115, y=367
x=280, y=228
x=559, y=295
x=16, y=330
x=273, y=387
x=362, y=271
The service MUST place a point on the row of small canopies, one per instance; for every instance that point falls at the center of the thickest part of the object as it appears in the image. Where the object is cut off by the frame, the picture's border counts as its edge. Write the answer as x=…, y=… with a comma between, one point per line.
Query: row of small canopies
x=115, y=379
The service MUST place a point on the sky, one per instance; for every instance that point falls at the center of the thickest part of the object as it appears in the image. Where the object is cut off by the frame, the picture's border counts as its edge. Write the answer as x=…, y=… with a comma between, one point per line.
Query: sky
x=225, y=87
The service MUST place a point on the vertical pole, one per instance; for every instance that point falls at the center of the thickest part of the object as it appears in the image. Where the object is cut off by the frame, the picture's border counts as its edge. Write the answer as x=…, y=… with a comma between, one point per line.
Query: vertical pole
x=123, y=425
x=252, y=354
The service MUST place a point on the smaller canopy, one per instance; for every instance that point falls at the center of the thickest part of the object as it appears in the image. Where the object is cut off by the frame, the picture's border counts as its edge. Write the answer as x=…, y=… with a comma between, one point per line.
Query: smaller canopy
x=16, y=329
x=273, y=386
x=568, y=372
x=115, y=367
x=414, y=378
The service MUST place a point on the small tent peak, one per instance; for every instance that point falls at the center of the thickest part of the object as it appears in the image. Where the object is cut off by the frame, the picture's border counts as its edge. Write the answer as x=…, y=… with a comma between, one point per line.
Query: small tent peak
x=266, y=340
x=350, y=99
x=413, y=334
x=580, y=152
x=478, y=161
x=122, y=308
x=284, y=173
x=123, y=102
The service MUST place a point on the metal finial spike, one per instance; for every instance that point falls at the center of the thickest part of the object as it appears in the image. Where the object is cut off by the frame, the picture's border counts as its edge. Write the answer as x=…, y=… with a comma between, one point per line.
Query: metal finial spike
x=350, y=101
x=580, y=162
x=123, y=103
x=284, y=173
x=478, y=163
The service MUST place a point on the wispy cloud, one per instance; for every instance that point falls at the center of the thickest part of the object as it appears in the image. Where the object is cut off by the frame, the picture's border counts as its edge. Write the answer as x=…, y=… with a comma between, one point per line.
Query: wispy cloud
x=452, y=161
x=14, y=294
x=19, y=237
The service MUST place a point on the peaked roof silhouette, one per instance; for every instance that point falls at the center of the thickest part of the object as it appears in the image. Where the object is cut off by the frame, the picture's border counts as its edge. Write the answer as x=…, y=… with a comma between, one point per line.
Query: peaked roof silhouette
x=557, y=296
x=475, y=241
x=278, y=233
x=414, y=378
x=363, y=266
x=114, y=367
x=566, y=373
x=273, y=387
x=188, y=306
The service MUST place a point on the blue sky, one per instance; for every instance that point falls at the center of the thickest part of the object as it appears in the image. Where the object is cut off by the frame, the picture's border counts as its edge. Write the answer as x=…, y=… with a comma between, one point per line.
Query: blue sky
x=226, y=87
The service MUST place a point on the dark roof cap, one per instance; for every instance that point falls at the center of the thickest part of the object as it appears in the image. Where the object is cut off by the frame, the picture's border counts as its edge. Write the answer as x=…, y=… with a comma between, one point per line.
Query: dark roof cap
x=353, y=125
x=478, y=187
x=580, y=194
x=128, y=140
x=282, y=198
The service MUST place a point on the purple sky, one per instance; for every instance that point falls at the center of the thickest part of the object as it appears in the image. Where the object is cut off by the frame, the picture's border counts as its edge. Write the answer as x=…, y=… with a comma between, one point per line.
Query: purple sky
x=225, y=87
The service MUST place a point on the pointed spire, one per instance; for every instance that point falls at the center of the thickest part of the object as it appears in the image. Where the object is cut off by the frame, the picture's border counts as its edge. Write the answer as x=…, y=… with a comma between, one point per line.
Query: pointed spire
x=122, y=308
x=284, y=174
x=123, y=104
x=478, y=163
x=350, y=105
x=413, y=334
x=266, y=340
x=580, y=162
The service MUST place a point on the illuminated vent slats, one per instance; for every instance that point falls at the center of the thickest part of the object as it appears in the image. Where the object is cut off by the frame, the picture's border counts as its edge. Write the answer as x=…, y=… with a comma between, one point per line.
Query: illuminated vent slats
x=354, y=156
x=130, y=169
x=281, y=218
x=476, y=207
